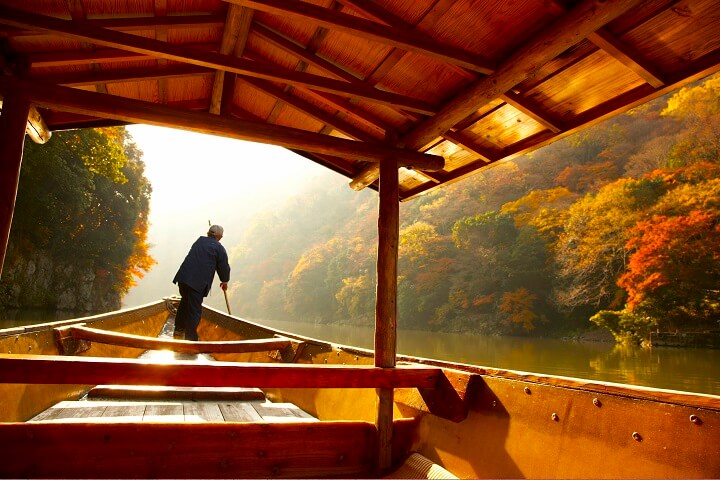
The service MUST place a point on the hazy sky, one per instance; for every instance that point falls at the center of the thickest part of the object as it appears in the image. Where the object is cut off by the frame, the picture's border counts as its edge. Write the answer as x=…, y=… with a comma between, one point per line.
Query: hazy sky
x=196, y=178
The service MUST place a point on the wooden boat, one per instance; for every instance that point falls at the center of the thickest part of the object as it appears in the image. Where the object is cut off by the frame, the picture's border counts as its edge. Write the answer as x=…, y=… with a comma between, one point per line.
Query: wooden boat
x=448, y=419
x=403, y=96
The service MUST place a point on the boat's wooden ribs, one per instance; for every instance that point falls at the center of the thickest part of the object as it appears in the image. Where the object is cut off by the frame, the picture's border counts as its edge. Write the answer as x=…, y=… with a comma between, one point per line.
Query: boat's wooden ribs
x=51, y=369
x=73, y=339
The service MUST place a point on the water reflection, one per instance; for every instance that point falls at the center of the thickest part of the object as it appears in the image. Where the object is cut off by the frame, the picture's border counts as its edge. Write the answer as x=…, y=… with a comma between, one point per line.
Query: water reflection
x=686, y=369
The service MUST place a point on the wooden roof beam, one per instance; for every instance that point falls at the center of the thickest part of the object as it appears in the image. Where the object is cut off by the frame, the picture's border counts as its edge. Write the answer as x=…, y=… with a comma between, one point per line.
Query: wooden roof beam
x=235, y=34
x=587, y=17
x=343, y=105
x=532, y=111
x=465, y=141
x=625, y=55
x=302, y=53
x=36, y=129
x=135, y=111
x=353, y=25
x=85, y=32
x=130, y=24
x=93, y=77
x=105, y=55
x=310, y=110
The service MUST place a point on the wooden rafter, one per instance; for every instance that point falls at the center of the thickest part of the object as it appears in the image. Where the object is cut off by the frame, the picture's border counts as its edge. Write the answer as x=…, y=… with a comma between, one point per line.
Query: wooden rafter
x=465, y=141
x=105, y=55
x=411, y=41
x=317, y=38
x=625, y=55
x=161, y=36
x=130, y=24
x=76, y=79
x=310, y=110
x=85, y=32
x=587, y=17
x=578, y=23
x=302, y=53
x=532, y=111
x=311, y=58
x=235, y=34
x=135, y=111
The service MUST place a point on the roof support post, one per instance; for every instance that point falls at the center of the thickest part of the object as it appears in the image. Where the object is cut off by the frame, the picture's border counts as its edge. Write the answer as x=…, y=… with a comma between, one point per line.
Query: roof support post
x=13, y=122
x=386, y=301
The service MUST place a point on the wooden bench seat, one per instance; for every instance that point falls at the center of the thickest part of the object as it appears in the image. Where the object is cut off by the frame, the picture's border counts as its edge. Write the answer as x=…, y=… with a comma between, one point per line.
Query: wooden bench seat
x=152, y=392
x=104, y=411
x=54, y=369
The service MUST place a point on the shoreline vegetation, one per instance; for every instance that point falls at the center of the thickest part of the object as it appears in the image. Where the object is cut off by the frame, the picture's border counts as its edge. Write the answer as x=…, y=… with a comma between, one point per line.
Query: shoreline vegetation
x=616, y=227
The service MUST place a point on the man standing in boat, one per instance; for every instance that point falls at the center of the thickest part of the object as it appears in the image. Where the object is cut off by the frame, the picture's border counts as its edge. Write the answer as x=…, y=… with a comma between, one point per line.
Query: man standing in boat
x=195, y=277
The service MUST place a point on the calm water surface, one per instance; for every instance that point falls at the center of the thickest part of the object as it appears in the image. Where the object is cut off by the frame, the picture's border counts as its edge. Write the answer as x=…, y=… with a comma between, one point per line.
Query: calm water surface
x=686, y=369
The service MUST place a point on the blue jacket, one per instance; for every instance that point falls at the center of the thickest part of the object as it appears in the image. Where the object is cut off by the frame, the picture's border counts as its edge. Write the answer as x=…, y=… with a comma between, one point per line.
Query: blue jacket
x=206, y=257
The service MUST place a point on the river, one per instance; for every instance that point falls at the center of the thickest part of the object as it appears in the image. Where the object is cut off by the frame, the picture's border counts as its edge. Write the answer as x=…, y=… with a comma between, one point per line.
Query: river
x=685, y=369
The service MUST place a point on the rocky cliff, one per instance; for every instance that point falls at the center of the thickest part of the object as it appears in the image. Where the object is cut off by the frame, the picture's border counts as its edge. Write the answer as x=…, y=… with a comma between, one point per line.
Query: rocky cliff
x=37, y=280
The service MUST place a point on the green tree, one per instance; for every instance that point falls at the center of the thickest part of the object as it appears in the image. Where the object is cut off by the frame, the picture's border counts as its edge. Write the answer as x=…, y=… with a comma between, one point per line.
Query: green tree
x=83, y=198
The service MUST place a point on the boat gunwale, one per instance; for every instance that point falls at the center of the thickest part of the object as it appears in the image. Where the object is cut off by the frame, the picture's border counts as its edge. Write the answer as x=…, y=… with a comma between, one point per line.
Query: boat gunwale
x=676, y=397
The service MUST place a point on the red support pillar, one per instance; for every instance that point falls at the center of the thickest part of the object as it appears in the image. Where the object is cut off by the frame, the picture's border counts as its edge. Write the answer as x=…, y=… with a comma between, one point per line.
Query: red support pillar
x=13, y=122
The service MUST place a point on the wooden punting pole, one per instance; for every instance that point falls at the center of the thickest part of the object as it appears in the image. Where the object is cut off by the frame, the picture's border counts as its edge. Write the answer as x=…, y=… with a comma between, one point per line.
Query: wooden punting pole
x=13, y=122
x=386, y=301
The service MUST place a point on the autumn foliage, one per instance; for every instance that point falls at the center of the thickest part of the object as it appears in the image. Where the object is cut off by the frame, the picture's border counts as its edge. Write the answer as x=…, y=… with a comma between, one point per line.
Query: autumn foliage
x=618, y=224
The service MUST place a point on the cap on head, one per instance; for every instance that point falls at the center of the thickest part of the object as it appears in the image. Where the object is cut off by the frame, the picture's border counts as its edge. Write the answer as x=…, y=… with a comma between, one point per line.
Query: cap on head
x=216, y=231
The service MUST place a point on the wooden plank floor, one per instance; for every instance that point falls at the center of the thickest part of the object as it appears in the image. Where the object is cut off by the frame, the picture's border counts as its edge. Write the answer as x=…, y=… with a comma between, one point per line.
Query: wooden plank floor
x=172, y=411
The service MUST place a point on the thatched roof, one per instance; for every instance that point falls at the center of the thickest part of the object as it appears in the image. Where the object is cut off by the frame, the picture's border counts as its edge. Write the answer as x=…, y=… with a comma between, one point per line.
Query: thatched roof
x=348, y=83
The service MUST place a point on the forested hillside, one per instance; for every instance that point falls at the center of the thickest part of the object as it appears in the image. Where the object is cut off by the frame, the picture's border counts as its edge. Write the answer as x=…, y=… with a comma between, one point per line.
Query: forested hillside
x=618, y=224
x=79, y=230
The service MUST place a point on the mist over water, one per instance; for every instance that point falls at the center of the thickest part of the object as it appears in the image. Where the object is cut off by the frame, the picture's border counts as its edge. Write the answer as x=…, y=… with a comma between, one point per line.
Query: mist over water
x=199, y=178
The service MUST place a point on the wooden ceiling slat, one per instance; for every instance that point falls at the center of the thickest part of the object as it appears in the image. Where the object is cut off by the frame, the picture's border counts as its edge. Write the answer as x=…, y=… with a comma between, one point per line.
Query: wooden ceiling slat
x=335, y=68
x=587, y=17
x=411, y=41
x=85, y=32
x=372, y=10
x=624, y=54
x=90, y=103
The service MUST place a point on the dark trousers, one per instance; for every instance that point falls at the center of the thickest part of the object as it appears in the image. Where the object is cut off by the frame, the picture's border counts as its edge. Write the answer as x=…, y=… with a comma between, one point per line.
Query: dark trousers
x=188, y=313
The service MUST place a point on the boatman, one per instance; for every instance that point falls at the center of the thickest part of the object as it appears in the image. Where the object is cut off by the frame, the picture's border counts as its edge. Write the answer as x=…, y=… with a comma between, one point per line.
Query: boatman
x=195, y=277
